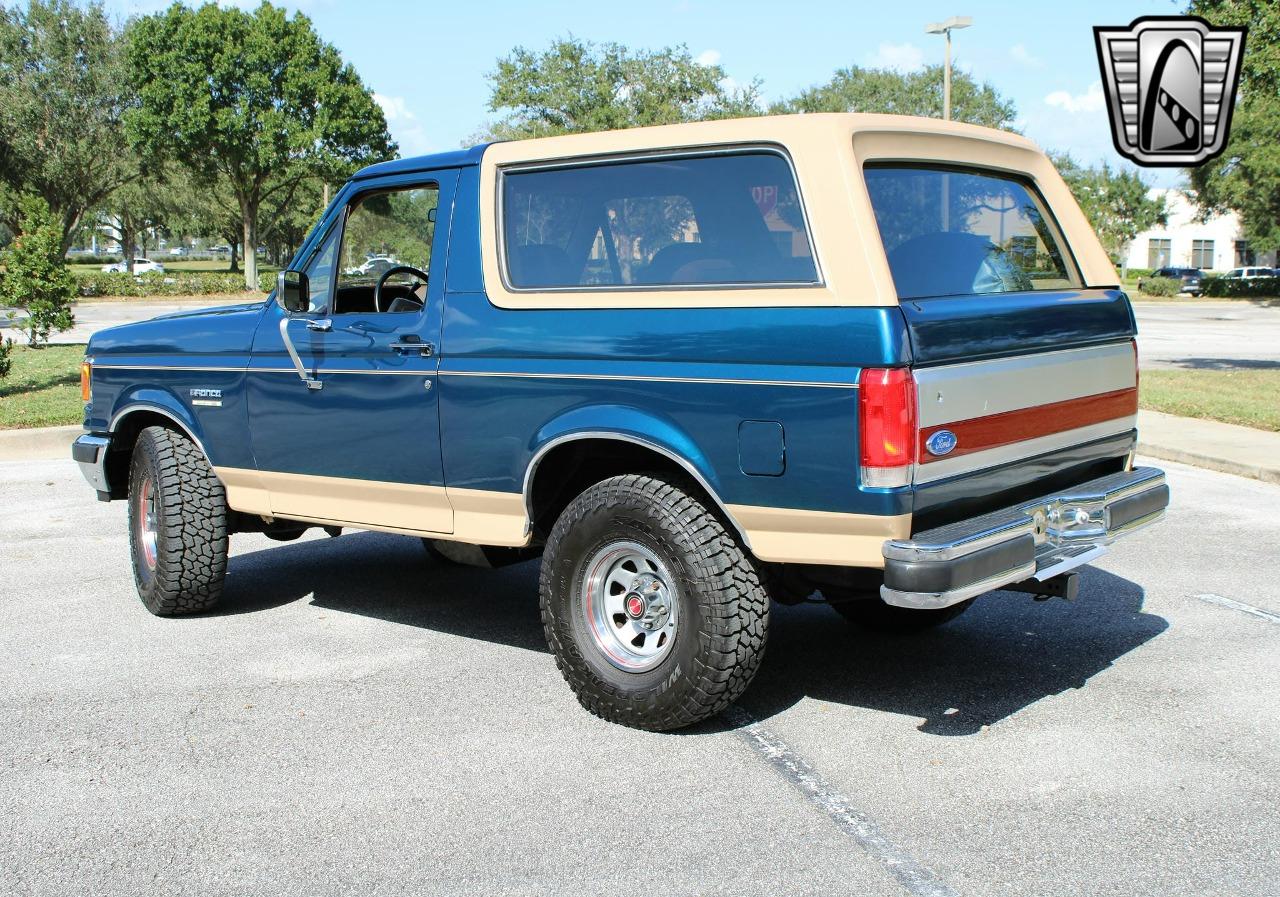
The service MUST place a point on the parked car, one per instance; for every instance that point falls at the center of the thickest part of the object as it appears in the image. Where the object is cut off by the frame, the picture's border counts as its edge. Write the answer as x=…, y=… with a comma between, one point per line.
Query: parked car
x=373, y=267
x=178, y=251
x=1190, y=278
x=140, y=266
x=1250, y=273
x=650, y=357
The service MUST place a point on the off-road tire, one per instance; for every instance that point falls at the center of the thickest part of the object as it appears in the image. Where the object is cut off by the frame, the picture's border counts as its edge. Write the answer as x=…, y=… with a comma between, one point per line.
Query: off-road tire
x=723, y=606
x=874, y=614
x=190, y=520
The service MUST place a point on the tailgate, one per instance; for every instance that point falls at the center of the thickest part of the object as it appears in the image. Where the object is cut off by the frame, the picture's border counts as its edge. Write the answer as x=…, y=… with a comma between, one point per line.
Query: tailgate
x=1019, y=397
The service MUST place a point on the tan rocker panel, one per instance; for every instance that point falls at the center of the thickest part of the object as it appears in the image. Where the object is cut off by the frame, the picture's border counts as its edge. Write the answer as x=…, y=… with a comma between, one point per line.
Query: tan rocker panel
x=785, y=535
x=465, y=515
x=827, y=151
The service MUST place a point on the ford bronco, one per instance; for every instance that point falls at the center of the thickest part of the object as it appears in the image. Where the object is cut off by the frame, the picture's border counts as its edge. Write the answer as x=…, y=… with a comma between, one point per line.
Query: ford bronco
x=695, y=368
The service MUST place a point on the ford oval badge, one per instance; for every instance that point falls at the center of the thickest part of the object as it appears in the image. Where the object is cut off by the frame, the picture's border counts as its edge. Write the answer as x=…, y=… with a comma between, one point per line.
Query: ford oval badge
x=941, y=443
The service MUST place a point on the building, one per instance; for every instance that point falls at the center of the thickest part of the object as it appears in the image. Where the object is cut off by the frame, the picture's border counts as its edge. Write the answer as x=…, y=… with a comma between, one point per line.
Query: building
x=1212, y=245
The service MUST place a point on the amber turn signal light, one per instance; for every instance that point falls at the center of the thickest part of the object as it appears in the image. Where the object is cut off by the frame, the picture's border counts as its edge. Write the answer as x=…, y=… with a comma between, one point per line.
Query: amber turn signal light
x=86, y=380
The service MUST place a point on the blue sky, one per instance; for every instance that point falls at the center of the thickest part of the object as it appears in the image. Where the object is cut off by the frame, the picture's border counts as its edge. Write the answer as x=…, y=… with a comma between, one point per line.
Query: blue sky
x=427, y=61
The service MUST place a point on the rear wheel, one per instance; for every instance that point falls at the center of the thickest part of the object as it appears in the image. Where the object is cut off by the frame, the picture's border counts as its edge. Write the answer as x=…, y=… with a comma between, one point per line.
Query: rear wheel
x=656, y=617
x=177, y=525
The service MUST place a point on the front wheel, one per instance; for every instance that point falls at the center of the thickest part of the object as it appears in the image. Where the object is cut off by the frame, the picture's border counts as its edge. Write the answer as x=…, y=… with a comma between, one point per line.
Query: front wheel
x=177, y=525
x=656, y=617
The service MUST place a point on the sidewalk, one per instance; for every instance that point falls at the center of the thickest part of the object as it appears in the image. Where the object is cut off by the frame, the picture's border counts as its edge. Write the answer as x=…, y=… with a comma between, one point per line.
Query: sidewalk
x=1242, y=451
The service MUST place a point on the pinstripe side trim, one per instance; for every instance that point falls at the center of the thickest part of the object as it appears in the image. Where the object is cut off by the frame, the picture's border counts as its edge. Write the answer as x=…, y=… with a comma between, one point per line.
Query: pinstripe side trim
x=650, y=378
x=642, y=378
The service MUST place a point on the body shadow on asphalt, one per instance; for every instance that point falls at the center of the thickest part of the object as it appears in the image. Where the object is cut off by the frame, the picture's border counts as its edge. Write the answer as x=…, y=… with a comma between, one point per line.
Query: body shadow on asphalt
x=1006, y=652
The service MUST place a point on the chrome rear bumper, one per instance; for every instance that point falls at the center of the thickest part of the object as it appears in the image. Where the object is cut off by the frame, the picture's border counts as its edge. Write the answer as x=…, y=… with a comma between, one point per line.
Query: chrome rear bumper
x=1036, y=540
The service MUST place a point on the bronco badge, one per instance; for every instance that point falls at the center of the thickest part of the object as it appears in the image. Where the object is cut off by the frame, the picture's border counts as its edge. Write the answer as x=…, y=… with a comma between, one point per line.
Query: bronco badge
x=211, y=398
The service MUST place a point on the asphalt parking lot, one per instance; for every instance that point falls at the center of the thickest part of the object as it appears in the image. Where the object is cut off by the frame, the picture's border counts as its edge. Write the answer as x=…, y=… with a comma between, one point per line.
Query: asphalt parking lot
x=359, y=720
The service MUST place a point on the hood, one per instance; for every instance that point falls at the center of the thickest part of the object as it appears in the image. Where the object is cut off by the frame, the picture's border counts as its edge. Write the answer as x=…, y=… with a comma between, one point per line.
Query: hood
x=223, y=330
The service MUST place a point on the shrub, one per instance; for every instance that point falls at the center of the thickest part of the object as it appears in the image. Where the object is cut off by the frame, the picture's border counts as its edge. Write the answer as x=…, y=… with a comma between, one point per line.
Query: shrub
x=1139, y=272
x=1240, y=288
x=176, y=283
x=1161, y=286
x=6, y=357
x=36, y=278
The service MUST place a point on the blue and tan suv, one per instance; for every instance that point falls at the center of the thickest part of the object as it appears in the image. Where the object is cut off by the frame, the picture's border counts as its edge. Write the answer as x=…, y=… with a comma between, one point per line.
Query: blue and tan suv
x=695, y=369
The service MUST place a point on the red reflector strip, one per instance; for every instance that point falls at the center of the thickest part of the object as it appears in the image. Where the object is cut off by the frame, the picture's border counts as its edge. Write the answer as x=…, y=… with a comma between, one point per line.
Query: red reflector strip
x=994, y=430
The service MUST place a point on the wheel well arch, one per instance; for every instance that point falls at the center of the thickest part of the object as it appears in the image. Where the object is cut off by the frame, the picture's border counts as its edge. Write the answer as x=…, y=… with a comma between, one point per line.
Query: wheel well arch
x=566, y=466
x=125, y=428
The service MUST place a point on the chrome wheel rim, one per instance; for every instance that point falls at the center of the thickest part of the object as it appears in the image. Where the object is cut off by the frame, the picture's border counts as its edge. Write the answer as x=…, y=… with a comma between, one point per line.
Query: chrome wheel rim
x=631, y=606
x=147, y=538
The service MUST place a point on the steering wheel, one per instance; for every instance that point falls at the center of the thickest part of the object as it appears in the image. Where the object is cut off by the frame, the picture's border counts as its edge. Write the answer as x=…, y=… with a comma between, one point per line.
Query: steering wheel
x=377, y=290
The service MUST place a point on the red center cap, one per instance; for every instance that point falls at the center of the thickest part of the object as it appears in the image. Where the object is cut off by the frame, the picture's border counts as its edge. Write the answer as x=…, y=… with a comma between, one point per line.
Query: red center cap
x=635, y=607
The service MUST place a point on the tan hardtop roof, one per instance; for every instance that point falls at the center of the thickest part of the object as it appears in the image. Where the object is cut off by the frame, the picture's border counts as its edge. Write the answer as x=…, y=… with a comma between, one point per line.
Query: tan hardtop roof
x=829, y=151
x=759, y=129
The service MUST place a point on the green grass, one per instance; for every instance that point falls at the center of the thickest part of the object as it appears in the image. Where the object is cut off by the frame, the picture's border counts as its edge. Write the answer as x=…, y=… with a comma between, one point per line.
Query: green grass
x=1250, y=397
x=43, y=389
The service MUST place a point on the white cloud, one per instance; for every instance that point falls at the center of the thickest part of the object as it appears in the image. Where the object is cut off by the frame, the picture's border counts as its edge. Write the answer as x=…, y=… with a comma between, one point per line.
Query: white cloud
x=1092, y=100
x=413, y=141
x=899, y=57
x=708, y=57
x=394, y=108
x=1020, y=54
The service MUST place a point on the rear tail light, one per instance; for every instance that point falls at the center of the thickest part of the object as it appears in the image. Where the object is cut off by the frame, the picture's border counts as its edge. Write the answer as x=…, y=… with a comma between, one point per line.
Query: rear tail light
x=887, y=425
x=86, y=381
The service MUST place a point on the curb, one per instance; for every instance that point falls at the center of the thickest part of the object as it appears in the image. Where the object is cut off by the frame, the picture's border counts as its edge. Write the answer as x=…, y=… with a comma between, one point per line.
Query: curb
x=1195, y=459
x=38, y=443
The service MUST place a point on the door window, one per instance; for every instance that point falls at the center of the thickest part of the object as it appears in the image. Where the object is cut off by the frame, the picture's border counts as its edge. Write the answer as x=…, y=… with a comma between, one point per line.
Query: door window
x=386, y=240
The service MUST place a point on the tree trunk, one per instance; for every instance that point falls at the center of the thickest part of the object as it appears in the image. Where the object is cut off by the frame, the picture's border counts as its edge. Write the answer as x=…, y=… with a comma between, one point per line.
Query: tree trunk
x=249, y=217
x=126, y=246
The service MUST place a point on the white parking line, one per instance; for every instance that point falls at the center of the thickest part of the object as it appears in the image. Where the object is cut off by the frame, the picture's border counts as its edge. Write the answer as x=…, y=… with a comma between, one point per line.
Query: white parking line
x=917, y=879
x=1240, y=606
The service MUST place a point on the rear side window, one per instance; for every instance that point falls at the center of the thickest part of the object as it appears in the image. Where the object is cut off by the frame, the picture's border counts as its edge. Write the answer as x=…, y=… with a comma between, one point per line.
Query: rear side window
x=951, y=232
x=726, y=219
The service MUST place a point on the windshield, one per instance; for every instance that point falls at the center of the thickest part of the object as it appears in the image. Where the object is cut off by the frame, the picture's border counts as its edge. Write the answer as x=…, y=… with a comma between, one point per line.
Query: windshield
x=952, y=232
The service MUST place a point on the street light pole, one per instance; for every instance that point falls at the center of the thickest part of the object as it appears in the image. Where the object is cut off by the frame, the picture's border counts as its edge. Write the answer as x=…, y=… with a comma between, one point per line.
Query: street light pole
x=945, y=28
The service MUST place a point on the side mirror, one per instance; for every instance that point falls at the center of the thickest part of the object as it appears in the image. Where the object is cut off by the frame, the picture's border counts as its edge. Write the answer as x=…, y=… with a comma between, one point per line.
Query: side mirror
x=293, y=291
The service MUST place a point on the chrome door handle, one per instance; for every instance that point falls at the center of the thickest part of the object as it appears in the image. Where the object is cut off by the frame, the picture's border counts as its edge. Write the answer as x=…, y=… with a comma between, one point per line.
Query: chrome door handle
x=320, y=325
x=424, y=349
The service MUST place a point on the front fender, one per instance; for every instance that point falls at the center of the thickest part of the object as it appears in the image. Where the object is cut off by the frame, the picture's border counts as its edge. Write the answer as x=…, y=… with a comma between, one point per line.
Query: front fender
x=158, y=400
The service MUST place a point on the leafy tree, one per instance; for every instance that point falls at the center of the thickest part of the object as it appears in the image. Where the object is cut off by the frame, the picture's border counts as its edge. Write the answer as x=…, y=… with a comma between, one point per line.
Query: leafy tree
x=135, y=211
x=858, y=89
x=576, y=86
x=37, y=278
x=254, y=99
x=62, y=97
x=1246, y=177
x=1115, y=200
